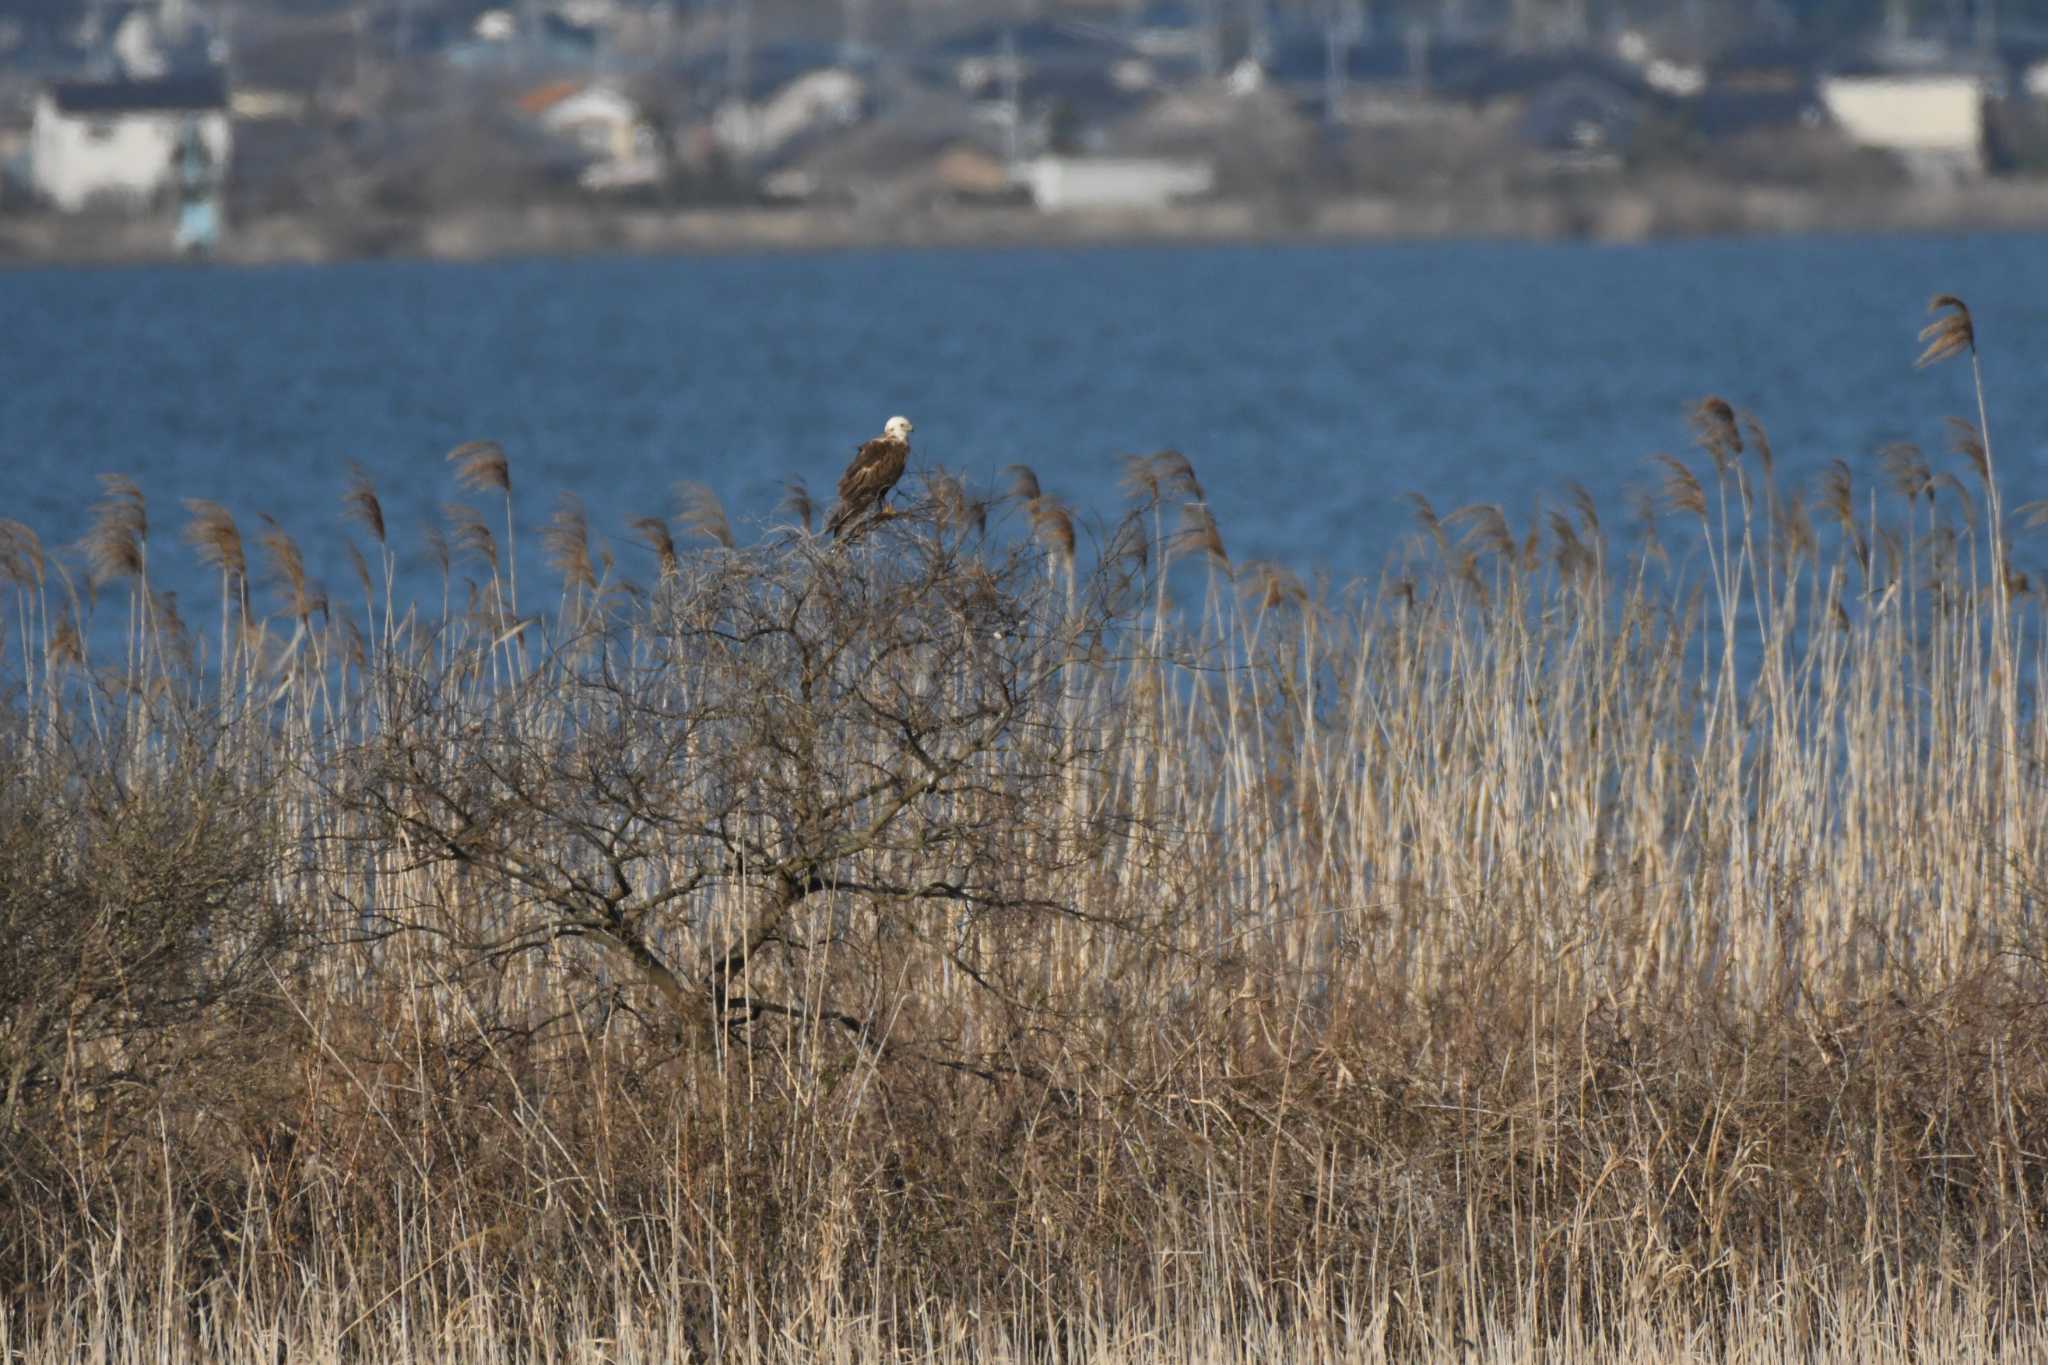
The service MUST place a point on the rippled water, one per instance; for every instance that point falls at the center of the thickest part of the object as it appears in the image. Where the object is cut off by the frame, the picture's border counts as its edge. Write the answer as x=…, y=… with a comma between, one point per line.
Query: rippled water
x=1312, y=386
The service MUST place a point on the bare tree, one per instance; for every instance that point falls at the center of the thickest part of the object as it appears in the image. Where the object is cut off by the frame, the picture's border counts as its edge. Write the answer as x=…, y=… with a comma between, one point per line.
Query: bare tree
x=783, y=775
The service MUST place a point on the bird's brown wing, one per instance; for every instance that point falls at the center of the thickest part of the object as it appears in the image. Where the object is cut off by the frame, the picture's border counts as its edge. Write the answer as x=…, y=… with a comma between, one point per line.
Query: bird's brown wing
x=875, y=469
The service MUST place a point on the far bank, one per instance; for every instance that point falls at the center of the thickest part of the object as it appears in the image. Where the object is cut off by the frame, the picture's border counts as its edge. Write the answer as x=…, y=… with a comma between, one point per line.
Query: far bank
x=1569, y=212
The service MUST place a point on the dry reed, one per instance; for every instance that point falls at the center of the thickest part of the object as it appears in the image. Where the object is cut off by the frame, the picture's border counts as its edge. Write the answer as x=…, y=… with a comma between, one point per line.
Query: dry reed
x=932, y=952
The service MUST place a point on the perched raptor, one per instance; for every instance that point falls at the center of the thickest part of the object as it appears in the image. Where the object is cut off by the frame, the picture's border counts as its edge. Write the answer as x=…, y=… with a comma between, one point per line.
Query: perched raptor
x=876, y=467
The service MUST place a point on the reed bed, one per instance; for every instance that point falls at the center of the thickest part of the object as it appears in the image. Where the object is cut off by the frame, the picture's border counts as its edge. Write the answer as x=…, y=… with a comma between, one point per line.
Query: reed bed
x=1010, y=933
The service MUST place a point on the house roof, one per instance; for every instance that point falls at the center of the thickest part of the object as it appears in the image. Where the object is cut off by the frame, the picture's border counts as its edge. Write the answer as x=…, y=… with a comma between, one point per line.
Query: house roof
x=205, y=91
x=542, y=98
x=1530, y=73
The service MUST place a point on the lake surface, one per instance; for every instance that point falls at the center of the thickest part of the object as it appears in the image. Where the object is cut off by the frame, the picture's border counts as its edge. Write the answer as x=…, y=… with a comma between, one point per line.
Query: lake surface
x=1314, y=387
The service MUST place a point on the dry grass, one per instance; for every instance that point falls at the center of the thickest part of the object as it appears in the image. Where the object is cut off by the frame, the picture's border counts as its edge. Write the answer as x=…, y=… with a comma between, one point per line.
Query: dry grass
x=947, y=947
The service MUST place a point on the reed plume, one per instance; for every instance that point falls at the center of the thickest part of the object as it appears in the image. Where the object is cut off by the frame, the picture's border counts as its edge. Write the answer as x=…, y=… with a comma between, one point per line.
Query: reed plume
x=1432, y=525
x=1140, y=477
x=288, y=571
x=1269, y=585
x=1908, y=470
x=1681, y=491
x=1585, y=508
x=1054, y=526
x=1572, y=556
x=1760, y=442
x=120, y=529
x=796, y=501
x=1198, y=534
x=470, y=535
x=1176, y=471
x=1132, y=543
x=1714, y=427
x=1838, y=493
x=67, y=646
x=21, y=555
x=438, y=552
x=481, y=466
x=1795, y=530
x=956, y=510
x=1966, y=440
x=211, y=531
x=702, y=514
x=654, y=533
x=359, y=503
x=1023, y=483
x=358, y=566
x=565, y=543
x=1483, y=527
x=1951, y=333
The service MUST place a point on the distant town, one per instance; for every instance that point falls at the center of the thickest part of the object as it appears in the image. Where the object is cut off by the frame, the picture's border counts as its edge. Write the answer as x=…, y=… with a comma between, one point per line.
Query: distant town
x=323, y=129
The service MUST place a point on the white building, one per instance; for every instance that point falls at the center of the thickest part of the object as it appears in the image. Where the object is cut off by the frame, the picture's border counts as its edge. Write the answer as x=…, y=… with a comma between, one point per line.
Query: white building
x=600, y=120
x=1935, y=122
x=115, y=142
x=606, y=125
x=816, y=101
x=1062, y=183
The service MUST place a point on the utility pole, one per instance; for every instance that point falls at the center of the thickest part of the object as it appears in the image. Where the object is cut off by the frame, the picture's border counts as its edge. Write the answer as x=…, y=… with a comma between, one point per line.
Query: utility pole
x=1578, y=24
x=739, y=48
x=1013, y=100
x=1344, y=22
x=1259, y=29
x=739, y=59
x=853, y=33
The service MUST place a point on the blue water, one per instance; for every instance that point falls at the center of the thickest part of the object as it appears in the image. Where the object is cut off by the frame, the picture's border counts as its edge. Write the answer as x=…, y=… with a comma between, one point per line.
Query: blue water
x=1312, y=386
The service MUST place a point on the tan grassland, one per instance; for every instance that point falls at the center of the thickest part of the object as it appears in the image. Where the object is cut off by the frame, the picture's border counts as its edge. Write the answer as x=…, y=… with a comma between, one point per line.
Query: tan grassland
x=1014, y=934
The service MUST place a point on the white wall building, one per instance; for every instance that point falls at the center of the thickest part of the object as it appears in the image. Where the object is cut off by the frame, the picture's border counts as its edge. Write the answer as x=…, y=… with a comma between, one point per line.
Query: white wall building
x=115, y=142
x=1062, y=183
x=1934, y=121
x=600, y=120
x=815, y=101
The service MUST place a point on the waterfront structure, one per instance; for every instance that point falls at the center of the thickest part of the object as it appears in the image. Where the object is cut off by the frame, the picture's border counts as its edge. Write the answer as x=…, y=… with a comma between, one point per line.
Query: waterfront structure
x=122, y=142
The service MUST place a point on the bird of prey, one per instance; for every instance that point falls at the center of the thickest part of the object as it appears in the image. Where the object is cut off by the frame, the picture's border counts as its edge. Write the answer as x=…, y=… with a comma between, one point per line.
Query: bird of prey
x=876, y=467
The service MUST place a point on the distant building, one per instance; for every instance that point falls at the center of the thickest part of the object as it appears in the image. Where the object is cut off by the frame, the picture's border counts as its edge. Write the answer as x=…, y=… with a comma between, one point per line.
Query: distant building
x=596, y=118
x=814, y=102
x=151, y=44
x=499, y=41
x=1934, y=122
x=117, y=142
x=605, y=125
x=1061, y=184
x=1580, y=123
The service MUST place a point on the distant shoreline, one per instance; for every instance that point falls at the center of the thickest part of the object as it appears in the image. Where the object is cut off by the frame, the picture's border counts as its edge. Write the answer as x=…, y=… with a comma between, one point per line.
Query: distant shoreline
x=1634, y=213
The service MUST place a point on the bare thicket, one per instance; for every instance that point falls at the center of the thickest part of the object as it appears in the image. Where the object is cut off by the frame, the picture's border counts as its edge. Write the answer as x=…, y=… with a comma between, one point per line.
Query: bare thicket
x=785, y=787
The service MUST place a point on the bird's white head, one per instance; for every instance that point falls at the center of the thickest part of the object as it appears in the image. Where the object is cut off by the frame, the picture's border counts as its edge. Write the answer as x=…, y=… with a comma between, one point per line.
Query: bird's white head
x=898, y=428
